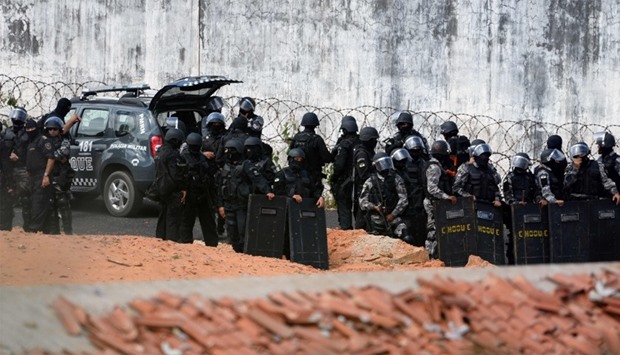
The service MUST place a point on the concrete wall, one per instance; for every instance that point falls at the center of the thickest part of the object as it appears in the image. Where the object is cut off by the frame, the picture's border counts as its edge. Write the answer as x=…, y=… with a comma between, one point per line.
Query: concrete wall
x=555, y=61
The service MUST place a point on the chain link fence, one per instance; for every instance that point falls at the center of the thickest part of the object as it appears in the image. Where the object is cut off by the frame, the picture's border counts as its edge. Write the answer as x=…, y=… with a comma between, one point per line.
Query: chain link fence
x=282, y=117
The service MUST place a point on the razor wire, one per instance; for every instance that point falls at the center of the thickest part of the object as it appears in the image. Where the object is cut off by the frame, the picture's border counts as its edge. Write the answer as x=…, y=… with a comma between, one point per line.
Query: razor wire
x=506, y=137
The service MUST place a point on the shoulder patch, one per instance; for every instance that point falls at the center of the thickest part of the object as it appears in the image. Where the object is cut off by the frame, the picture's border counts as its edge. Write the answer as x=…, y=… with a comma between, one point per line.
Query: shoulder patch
x=48, y=145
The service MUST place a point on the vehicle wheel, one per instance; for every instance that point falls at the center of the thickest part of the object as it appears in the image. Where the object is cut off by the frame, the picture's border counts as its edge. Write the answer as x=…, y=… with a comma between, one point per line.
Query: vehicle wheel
x=120, y=195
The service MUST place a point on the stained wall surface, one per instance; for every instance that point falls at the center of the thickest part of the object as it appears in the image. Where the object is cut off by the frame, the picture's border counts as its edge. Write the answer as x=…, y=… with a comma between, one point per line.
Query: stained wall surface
x=554, y=61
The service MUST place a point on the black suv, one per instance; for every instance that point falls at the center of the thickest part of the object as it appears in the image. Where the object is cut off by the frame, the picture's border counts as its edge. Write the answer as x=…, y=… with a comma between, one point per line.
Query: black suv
x=117, y=138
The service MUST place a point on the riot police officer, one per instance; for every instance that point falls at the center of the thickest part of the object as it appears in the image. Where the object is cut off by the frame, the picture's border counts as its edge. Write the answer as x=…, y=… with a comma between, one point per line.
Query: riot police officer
x=384, y=199
x=341, y=181
x=212, y=142
x=362, y=168
x=404, y=123
x=610, y=159
x=519, y=184
x=199, y=201
x=16, y=189
x=238, y=130
x=437, y=186
x=214, y=105
x=555, y=142
x=254, y=155
x=458, y=144
x=171, y=171
x=40, y=164
x=313, y=146
x=239, y=178
x=519, y=187
x=478, y=179
x=412, y=172
x=295, y=181
x=585, y=179
x=549, y=176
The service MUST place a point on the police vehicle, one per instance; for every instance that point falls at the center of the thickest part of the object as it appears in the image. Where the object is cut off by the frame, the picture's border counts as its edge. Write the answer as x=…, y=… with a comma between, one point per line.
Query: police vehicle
x=116, y=140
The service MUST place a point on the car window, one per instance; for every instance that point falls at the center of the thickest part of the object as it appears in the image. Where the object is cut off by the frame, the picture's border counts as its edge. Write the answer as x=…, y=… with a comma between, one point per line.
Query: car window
x=125, y=122
x=93, y=123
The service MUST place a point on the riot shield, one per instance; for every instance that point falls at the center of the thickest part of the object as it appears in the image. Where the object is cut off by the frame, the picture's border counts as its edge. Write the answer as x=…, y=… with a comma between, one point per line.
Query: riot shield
x=604, y=230
x=307, y=233
x=265, y=227
x=455, y=231
x=490, y=233
x=568, y=228
x=530, y=233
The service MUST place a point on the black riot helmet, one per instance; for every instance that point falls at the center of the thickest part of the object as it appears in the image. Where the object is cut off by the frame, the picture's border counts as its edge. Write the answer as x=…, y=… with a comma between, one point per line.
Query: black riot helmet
x=368, y=133
x=255, y=125
x=252, y=141
x=247, y=104
x=579, y=150
x=520, y=161
x=414, y=142
x=193, y=139
x=53, y=122
x=215, y=117
x=215, y=104
x=174, y=137
x=449, y=128
x=440, y=149
x=309, y=119
x=402, y=117
x=552, y=155
x=348, y=124
x=296, y=153
x=382, y=162
x=605, y=139
x=474, y=143
x=63, y=107
x=400, y=154
x=18, y=116
x=234, y=144
x=481, y=149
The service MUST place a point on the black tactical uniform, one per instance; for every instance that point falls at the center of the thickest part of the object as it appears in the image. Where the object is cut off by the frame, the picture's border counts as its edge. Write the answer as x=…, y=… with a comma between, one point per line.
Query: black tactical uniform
x=404, y=123
x=238, y=130
x=313, y=146
x=16, y=189
x=171, y=170
x=519, y=187
x=44, y=216
x=212, y=140
x=458, y=144
x=295, y=179
x=341, y=181
x=199, y=201
x=239, y=178
x=362, y=168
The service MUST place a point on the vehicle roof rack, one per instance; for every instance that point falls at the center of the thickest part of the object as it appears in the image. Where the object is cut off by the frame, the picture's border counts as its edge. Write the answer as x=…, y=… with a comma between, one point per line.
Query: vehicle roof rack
x=134, y=90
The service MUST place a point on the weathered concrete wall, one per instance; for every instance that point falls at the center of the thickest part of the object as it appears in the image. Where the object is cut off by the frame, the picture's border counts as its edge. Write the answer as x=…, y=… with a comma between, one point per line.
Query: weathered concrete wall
x=556, y=60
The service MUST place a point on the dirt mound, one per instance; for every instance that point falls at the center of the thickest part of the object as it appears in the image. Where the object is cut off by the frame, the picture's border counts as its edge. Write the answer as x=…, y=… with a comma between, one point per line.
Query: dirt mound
x=30, y=259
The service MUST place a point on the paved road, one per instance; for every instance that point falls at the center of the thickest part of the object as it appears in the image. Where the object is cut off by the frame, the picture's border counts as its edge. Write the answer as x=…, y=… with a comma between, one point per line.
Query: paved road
x=91, y=217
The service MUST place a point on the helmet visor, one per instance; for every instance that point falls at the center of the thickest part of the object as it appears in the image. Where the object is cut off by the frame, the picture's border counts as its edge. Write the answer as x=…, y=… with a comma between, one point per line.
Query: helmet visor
x=400, y=154
x=413, y=142
x=579, y=151
x=383, y=164
x=520, y=162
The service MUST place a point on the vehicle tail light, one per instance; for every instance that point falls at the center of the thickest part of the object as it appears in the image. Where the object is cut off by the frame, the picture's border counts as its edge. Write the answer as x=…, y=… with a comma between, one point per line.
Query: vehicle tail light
x=156, y=142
